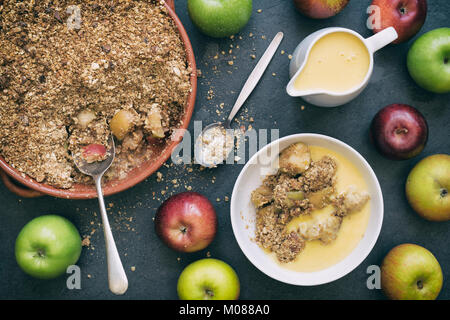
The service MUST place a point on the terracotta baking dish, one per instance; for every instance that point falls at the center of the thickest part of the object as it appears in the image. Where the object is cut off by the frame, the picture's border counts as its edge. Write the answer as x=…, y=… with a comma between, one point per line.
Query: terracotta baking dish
x=28, y=187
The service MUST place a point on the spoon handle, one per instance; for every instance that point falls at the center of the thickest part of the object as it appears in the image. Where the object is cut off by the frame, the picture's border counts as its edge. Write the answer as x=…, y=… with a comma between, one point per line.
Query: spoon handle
x=256, y=75
x=118, y=282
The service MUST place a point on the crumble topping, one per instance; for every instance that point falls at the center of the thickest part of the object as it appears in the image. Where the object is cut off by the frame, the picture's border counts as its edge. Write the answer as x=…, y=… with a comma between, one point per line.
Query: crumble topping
x=62, y=83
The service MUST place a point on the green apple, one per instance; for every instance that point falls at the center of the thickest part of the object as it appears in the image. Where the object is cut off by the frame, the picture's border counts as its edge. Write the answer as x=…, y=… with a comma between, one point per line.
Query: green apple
x=208, y=279
x=429, y=60
x=47, y=245
x=220, y=18
x=411, y=272
x=428, y=187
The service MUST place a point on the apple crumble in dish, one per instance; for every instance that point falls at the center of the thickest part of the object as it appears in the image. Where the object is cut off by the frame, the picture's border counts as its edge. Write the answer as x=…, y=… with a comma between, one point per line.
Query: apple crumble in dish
x=304, y=188
x=74, y=72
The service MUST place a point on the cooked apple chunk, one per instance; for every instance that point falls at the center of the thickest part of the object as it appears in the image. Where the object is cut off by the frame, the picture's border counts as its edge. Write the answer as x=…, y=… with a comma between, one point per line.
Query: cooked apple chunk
x=320, y=225
x=351, y=201
x=261, y=196
x=292, y=198
x=321, y=198
x=93, y=152
x=122, y=122
x=153, y=123
x=295, y=159
x=85, y=117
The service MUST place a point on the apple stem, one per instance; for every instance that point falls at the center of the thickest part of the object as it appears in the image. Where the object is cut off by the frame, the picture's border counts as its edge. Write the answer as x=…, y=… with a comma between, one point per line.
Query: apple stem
x=420, y=284
x=41, y=253
x=444, y=192
x=209, y=293
x=446, y=60
x=401, y=130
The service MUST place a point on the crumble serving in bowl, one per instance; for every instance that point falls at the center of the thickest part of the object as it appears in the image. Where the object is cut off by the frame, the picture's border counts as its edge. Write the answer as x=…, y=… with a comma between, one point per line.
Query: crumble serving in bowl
x=295, y=214
x=126, y=69
x=312, y=197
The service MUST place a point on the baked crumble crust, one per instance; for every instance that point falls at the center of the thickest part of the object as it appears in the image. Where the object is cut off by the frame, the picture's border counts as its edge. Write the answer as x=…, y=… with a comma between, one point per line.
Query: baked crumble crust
x=125, y=55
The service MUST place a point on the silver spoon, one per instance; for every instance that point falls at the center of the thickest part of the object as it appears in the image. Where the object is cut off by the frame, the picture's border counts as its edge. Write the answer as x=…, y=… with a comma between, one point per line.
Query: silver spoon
x=118, y=282
x=247, y=89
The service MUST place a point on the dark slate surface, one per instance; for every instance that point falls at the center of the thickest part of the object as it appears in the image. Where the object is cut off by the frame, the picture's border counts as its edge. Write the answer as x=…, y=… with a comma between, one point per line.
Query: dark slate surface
x=157, y=267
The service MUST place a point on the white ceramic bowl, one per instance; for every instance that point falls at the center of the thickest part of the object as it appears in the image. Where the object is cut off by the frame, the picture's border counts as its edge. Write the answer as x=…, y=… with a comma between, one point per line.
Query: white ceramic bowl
x=243, y=213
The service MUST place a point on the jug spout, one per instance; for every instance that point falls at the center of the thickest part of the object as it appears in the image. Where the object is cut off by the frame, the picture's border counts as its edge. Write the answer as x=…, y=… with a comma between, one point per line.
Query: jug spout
x=292, y=91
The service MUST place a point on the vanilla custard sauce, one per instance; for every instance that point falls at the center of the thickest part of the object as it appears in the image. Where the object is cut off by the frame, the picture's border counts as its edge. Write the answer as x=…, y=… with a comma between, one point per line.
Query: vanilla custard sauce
x=337, y=62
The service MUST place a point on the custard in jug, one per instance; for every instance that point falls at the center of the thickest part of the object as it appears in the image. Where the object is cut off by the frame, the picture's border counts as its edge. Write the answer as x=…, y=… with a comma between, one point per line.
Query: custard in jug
x=337, y=62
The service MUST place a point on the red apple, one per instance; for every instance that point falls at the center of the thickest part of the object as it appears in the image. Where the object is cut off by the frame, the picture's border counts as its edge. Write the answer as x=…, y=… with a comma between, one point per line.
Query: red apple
x=399, y=131
x=320, y=9
x=406, y=16
x=186, y=222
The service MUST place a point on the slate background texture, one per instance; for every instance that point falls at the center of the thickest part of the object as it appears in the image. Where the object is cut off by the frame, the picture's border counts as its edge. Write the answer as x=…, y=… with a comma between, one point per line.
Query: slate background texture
x=157, y=267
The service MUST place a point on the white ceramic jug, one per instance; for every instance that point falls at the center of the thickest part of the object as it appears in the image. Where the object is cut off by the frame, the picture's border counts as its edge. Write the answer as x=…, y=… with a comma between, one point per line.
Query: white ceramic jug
x=324, y=98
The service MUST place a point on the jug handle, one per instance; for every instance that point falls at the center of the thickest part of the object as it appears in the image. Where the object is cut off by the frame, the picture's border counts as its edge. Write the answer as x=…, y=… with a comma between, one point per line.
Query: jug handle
x=381, y=39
